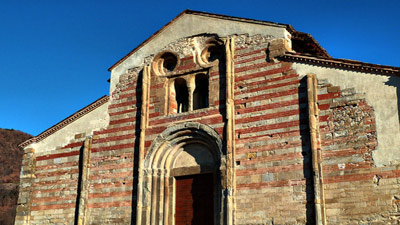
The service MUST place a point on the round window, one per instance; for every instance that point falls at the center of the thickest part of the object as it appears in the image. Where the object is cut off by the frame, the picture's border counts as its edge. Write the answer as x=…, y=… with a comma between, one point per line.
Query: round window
x=165, y=62
x=214, y=50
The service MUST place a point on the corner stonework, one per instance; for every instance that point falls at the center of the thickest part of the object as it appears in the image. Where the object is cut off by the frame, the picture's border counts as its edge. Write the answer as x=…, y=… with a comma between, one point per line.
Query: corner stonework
x=26, y=187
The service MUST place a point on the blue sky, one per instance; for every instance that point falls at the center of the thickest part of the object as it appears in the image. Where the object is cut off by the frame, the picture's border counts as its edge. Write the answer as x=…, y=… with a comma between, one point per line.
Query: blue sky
x=54, y=55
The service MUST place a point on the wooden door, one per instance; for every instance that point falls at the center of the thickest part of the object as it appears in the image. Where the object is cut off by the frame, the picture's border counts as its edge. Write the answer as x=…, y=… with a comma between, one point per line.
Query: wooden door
x=194, y=200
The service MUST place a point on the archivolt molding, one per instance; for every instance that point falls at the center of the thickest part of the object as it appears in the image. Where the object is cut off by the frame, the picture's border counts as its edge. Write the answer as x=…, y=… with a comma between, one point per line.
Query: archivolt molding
x=157, y=195
x=181, y=134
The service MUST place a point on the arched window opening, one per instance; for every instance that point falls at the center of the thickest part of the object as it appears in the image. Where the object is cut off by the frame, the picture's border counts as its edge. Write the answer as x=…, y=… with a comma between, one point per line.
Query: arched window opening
x=200, y=94
x=182, y=95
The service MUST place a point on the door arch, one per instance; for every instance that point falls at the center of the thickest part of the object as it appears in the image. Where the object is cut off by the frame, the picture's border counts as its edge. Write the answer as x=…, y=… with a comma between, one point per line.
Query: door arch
x=183, y=149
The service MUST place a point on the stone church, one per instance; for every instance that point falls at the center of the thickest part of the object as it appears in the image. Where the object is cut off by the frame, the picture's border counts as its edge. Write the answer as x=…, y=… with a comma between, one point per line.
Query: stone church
x=223, y=120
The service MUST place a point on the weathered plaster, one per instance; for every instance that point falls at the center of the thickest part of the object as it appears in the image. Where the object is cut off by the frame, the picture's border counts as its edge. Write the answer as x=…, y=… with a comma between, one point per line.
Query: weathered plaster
x=189, y=25
x=381, y=96
x=94, y=120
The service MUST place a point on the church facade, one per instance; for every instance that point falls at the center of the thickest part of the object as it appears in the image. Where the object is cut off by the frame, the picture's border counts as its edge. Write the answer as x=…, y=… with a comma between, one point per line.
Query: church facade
x=224, y=120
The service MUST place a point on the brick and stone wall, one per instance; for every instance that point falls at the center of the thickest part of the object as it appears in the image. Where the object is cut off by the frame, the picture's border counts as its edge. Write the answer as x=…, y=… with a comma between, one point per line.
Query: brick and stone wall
x=274, y=182
x=356, y=190
x=111, y=164
x=93, y=178
x=114, y=151
x=51, y=167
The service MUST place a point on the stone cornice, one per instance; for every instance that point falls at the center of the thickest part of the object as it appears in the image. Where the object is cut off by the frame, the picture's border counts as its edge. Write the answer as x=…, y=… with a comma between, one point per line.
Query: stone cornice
x=345, y=64
x=99, y=102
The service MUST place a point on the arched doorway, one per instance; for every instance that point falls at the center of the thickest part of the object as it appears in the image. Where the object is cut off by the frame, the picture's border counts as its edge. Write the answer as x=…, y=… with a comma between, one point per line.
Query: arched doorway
x=182, y=175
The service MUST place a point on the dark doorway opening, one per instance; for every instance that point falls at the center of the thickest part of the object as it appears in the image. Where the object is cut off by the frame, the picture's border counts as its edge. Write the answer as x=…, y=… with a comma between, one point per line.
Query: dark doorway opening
x=194, y=199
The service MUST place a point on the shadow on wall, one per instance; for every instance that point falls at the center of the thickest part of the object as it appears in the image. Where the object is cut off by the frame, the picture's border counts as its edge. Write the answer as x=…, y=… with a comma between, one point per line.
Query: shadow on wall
x=79, y=186
x=395, y=82
x=306, y=152
x=138, y=91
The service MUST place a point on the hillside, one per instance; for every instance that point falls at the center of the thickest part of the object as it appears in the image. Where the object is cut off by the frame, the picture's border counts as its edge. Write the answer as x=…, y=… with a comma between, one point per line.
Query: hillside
x=10, y=165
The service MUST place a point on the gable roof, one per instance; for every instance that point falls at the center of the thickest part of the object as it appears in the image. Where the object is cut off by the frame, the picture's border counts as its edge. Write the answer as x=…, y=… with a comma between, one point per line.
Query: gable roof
x=92, y=106
x=304, y=42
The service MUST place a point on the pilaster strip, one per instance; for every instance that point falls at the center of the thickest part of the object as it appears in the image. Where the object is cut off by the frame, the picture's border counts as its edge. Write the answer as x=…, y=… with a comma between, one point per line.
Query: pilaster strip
x=313, y=115
x=83, y=200
x=230, y=131
x=143, y=124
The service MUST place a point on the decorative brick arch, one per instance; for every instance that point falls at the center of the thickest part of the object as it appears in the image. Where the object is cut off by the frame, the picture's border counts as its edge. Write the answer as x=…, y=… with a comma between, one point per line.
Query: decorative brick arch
x=183, y=149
